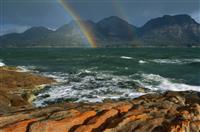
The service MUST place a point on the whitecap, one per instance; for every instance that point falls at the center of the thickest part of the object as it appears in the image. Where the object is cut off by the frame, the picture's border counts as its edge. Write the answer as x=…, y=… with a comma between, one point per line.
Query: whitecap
x=176, y=61
x=88, y=71
x=126, y=68
x=168, y=61
x=126, y=57
x=1, y=63
x=142, y=62
x=159, y=83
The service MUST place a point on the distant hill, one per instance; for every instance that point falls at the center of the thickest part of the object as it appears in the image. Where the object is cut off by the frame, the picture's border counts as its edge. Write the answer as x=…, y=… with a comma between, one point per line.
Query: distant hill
x=173, y=31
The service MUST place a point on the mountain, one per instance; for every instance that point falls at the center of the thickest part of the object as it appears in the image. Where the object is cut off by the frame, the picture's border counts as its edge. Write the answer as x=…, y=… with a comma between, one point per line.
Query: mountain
x=176, y=31
x=115, y=27
x=32, y=37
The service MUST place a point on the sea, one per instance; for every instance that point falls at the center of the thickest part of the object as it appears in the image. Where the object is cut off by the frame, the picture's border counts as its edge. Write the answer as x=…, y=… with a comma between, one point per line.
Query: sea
x=96, y=75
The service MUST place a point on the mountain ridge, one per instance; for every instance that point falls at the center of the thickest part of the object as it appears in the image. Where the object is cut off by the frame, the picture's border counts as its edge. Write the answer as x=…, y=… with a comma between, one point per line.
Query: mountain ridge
x=166, y=31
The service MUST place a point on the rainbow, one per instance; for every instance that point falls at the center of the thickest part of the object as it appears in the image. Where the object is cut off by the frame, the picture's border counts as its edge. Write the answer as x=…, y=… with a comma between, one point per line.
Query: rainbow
x=119, y=8
x=84, y=27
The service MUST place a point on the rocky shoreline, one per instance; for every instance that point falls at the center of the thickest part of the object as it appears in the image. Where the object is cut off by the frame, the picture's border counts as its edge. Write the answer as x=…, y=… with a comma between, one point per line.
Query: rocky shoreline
x=17, y=88
x=157, y=112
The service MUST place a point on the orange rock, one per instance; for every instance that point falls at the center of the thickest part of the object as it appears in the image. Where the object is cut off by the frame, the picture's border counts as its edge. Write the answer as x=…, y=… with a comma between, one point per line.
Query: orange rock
x=97, y=122
x=61, y=125
x=6, y=120
x=18, y=117
x=13, y=80
x=16, y=86
x=135, y=111
x=18, y=127
x=64, y=114
x=182, y=126
x=127, y=120
x=124, y=107
x=150, y=125
x=146, y=114
x=108, y=105
x=195, y=126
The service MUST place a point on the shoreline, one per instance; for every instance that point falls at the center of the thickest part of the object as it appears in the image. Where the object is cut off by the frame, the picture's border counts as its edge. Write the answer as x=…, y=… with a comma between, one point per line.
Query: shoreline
x=17, y=88
x=168, y=111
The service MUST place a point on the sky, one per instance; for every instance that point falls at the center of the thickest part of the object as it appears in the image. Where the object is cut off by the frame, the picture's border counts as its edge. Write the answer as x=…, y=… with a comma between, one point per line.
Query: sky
x=19, y=15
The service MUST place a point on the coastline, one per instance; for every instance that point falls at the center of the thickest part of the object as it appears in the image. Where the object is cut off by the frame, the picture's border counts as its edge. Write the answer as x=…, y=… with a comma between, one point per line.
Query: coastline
x=168, y=111
x=18, y=88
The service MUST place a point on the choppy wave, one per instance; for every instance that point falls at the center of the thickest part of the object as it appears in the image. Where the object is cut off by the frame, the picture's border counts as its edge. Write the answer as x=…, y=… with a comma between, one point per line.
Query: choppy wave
x=1, y=63
x=176, y=61
x=159, y=83
x=87, y=86
x=90, y=86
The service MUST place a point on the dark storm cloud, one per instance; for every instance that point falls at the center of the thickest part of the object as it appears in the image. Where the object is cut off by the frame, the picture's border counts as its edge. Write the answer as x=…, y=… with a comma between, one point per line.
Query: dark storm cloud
x=137, y=11
x=32, y=12
x=49, y=13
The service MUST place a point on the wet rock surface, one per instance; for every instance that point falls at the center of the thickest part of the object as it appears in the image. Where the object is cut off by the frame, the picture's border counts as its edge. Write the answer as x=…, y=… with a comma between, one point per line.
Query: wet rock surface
x=170, y=111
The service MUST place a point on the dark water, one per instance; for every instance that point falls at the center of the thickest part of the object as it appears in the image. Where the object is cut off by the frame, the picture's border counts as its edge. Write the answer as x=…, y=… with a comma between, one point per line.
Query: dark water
x=96, y=74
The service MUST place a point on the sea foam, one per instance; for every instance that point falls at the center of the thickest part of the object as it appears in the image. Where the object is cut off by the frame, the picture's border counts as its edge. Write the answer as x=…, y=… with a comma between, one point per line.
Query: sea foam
x=88, y=86
x=27, y=69
x=95, y=86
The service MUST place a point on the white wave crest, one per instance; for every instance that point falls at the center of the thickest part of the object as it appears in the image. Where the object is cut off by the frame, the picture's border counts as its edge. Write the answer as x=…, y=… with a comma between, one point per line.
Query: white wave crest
x=176, y=61
x=1, y=63
x=157, y=82
x=126, y=57
x=142, y=62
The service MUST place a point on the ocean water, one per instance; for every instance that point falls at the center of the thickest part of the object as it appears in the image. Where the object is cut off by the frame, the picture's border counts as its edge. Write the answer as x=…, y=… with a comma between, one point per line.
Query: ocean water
x=93, y=75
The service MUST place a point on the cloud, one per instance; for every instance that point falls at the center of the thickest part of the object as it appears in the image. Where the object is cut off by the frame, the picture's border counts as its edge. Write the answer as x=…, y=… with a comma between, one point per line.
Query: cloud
x=136, y=11
x=33, y=12
x=10, y=28
x=50, y=13
x=196, y=16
